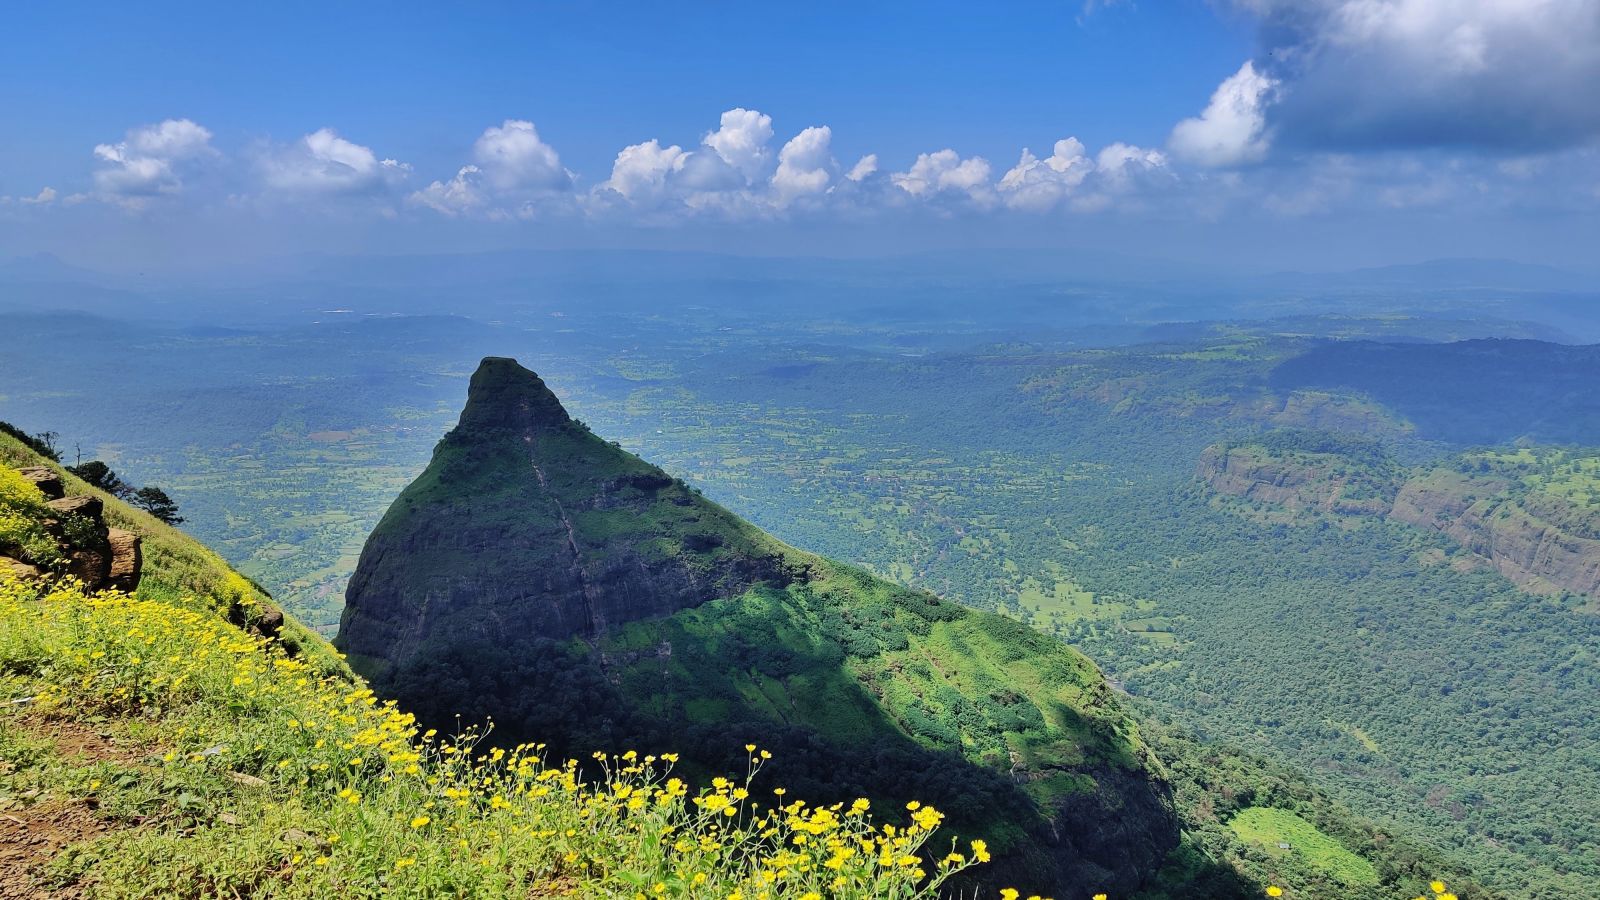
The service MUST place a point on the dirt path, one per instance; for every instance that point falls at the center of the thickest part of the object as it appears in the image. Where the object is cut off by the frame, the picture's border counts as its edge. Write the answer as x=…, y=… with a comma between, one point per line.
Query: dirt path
x=42, y=825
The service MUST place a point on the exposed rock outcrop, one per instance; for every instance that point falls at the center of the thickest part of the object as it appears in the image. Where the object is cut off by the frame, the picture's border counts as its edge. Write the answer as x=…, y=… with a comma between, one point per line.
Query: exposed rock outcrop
x=527, y=524
x=96, y=554
x=1304, y=483
x=1532, y=553
x=45, y=479
x=1482, y=513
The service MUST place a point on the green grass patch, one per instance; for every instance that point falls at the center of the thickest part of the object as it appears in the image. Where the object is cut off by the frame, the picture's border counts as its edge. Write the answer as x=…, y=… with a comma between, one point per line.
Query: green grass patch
x=1271, y=828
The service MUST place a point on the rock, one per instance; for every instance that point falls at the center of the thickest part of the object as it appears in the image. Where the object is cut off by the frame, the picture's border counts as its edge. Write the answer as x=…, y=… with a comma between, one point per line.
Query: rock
x=19, y=568
x=83, y=505
x=126, y=560
x=246, y=780
x=260, y=618
x=45, y=479
x=270, y=622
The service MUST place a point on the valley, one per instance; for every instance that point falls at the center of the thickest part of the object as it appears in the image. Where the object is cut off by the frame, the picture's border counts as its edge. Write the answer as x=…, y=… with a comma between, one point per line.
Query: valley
x=1053, y=484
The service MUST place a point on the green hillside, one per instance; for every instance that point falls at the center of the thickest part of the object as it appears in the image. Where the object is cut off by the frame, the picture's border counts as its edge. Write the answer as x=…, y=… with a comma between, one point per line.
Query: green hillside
x=158, y=745
x=542, y=577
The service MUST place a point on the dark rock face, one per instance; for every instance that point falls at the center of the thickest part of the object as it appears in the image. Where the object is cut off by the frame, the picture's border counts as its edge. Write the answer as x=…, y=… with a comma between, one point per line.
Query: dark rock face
x=525, y=525
x=1111, y=838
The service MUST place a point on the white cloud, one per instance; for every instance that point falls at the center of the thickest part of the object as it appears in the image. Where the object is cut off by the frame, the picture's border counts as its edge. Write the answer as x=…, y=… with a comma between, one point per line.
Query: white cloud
x=512, y=157
x=640, y=171
x=324, y=163
x=945, y=172
x=513, y=173
x=151, y=160
x=805, y=166
x=1120, y=165
x=1502, y=75
x=1039, y=184
x=1232, y=130
x=741, y=141
x=46, y=196
x=864, y=168
x=461, y=194
x=725, y=177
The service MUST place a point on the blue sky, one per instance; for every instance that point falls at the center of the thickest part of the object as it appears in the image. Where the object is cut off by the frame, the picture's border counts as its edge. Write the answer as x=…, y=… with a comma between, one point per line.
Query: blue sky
x=1321, y=132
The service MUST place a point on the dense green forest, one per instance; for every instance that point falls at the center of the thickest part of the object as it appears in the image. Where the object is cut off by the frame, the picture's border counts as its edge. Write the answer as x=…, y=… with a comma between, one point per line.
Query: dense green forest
x=1052, y=483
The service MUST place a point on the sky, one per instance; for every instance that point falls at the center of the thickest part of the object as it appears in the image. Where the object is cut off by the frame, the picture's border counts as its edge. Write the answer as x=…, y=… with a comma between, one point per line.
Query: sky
x=1251, y=133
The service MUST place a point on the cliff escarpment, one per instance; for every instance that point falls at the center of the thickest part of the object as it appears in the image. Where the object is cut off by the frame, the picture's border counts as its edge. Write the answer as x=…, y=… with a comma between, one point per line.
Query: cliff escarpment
x=1536, y=540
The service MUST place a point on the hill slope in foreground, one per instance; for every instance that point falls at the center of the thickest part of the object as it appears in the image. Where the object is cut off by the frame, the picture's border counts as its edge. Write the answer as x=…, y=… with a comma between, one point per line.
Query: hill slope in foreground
x=185, y=742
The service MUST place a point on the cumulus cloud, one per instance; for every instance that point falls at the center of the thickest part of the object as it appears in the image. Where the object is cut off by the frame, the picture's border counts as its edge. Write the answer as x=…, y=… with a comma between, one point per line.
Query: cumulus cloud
x=864, y=168
x=725, y=176
x=1500, y=75
x=151, y=160
x=805, y=166
x=946, y=173
x=513, y=172
x=1069, y=176
x=1040, y=184
x=741, y=141
x=640, y=171
x=1123, y=165
x=322, y=162
x=46, y=196
x=1233, y=128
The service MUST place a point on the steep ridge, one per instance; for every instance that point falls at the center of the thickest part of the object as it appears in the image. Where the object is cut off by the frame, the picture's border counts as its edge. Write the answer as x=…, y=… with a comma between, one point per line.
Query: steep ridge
x=538, y=575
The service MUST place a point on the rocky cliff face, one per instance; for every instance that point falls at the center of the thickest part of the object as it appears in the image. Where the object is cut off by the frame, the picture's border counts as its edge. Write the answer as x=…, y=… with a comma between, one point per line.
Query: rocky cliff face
x=1480, y=512
x=527, y=525
x=1531, y=552
x=540, y=576
x=1301, y=483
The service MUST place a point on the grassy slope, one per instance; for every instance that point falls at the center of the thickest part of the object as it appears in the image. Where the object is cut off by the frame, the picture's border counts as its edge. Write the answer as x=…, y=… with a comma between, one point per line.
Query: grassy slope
x=178, y=569
x=162, y=751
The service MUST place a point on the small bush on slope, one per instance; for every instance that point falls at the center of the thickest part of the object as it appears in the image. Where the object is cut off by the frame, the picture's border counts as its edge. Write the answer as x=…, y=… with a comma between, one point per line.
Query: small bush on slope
x=265, y=779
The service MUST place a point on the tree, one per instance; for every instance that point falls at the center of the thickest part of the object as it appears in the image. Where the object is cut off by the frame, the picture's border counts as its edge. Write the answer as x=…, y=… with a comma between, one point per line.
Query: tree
x=155, y=501
x=100, y=475
x=41, y=444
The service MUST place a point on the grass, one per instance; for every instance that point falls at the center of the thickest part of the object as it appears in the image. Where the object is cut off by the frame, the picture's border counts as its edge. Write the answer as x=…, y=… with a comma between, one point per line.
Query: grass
x=177, y=568
x=1268, y=827
x=262, y=778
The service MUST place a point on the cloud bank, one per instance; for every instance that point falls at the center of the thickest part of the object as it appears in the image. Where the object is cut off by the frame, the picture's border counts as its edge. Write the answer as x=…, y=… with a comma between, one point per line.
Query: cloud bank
x=1393, y=104
x=1496, y=76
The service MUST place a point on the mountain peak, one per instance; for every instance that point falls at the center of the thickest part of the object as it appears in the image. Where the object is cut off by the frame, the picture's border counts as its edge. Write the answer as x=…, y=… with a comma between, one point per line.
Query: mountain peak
x=504, y=394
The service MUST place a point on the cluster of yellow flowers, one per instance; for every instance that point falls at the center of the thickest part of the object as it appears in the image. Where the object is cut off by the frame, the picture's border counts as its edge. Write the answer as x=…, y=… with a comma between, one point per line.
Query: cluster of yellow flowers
x=377, y=801
x=1439, y=892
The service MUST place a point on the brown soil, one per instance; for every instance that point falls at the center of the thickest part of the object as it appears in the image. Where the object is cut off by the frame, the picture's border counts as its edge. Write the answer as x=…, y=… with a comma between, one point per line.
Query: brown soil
x=32, y=836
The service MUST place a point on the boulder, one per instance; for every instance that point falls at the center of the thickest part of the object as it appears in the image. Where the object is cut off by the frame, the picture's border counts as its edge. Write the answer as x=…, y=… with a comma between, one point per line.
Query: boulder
x=45, y=479
x=83, y=505
x=18, y=568
x=126, y=560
